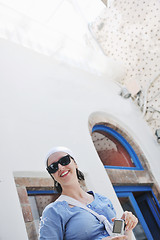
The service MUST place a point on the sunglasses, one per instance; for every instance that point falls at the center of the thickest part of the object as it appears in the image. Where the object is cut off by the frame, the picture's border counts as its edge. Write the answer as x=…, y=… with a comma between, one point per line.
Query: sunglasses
x=63, y=161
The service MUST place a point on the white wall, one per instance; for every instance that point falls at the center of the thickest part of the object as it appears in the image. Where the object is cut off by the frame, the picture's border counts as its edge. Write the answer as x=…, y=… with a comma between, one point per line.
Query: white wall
x=11, y=220
x=43, y=104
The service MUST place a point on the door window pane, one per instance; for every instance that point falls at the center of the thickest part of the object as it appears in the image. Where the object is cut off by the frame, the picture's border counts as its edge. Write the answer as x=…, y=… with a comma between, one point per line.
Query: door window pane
x=151, y=214
x=138, y=230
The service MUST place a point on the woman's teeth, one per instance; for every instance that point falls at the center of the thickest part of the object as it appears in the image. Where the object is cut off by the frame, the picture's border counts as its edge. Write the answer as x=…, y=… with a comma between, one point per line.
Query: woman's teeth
x=64, y=173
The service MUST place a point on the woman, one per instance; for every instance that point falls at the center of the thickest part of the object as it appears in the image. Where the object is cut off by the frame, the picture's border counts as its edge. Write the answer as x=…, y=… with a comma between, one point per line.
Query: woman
x=61, y=220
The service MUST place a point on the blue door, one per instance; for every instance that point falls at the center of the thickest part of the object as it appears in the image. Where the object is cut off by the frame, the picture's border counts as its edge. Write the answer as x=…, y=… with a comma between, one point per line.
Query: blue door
x=151, y=213
x=143, y=203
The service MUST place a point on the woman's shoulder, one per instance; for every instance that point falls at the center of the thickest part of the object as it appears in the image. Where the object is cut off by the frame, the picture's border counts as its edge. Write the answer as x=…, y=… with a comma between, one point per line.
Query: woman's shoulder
x=101, y=197
x=55, y=208
x=103, y=201
x=98, y=195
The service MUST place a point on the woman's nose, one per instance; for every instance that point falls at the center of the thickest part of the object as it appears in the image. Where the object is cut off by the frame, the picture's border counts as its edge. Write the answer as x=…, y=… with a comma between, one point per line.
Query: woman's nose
x=60, y=167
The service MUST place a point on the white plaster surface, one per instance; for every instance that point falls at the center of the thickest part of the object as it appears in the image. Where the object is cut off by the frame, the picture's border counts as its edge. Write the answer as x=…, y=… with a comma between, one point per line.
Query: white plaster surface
x=44, y=104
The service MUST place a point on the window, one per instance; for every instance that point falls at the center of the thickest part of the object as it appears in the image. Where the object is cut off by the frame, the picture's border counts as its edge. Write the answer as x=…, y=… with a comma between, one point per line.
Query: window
x=113, y=149
x=143, y=203
x=34, y=194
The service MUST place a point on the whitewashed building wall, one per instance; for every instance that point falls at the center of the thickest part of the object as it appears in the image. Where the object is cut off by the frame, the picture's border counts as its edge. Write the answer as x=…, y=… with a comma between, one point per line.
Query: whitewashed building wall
x=45, y=103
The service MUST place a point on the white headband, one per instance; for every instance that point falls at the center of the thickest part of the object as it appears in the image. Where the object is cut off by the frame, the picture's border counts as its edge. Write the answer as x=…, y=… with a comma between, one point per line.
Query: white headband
x=58, y=149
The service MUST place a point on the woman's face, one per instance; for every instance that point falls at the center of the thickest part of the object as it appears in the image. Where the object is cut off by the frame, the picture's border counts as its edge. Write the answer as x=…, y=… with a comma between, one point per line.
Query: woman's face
x=64, y=174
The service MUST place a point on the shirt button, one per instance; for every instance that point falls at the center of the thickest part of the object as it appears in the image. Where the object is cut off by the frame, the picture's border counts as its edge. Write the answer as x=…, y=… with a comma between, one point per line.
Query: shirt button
x=105, y=233
x=89, y=205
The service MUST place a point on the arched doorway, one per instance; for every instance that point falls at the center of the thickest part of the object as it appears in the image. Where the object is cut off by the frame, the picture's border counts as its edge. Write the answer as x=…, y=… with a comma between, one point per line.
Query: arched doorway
x=119, y=156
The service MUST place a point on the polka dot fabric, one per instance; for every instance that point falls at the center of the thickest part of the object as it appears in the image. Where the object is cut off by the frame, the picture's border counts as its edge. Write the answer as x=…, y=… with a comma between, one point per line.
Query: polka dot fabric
x=129, y=31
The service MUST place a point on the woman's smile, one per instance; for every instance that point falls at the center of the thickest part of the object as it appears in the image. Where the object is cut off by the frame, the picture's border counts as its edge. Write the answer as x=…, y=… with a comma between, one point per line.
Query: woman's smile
x=64, y=173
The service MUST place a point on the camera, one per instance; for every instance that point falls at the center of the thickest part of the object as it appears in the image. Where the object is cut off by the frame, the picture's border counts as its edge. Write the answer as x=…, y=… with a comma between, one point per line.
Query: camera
x=118, y=227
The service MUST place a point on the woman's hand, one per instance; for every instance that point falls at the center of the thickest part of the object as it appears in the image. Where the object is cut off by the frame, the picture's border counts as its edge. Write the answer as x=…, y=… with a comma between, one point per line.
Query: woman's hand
x=121, y=237
x=130, y=220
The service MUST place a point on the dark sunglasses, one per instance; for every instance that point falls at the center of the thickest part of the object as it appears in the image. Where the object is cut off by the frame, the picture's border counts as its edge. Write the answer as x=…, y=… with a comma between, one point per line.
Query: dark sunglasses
x=63, y=161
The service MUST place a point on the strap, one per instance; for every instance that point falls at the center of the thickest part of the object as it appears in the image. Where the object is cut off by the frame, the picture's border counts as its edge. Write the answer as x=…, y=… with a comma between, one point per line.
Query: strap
x=101, y=218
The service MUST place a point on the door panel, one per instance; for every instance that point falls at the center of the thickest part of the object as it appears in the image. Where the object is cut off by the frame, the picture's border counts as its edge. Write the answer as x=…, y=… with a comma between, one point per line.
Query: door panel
x=150, y=214
x=143, y=203
x=127, y=206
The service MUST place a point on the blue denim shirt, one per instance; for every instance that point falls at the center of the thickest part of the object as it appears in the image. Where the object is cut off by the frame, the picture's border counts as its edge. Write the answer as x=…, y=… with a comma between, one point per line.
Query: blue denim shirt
x=61, y=222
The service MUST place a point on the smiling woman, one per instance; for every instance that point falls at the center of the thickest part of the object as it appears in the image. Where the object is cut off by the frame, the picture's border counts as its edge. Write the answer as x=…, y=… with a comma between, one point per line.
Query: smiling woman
x=61, y=218
x=52, y=166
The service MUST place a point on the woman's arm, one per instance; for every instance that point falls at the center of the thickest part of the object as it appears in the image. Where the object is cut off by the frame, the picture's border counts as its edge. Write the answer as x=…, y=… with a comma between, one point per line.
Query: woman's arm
x=122, y=237
x=51, y=226
x=130, y=221
x=50, y=230
x=129, y=235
